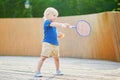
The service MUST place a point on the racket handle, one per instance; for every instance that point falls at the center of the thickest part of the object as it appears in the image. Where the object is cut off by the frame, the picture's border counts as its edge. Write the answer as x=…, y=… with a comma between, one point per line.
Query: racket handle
x=71, y=26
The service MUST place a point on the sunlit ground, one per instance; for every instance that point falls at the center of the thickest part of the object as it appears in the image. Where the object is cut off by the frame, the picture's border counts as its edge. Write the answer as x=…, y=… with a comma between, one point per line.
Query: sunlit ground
x=23, y=68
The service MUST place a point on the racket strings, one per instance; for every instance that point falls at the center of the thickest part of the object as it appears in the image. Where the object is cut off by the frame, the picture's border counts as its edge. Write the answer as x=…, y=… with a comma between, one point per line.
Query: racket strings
x=83, y=28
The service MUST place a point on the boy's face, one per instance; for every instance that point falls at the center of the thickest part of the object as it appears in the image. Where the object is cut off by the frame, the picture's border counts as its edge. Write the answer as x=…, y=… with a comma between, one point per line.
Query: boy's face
x=52, y=17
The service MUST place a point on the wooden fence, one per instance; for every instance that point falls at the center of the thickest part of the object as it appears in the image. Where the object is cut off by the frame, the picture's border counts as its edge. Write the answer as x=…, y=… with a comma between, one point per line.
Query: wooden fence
x=23, y=37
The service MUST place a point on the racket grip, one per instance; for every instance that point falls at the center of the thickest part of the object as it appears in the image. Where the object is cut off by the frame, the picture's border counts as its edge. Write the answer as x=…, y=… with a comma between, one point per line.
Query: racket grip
x=71, y=26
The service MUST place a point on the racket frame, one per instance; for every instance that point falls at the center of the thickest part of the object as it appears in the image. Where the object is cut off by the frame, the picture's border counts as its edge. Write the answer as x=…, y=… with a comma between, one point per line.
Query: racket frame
x=77, y=28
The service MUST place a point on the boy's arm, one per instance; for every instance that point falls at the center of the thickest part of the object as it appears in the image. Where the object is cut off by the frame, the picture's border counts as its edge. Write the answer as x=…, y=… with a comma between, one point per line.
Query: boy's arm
x=57, y=24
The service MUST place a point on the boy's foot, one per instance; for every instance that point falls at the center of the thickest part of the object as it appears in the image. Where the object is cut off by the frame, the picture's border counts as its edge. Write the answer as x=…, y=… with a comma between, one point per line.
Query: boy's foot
x=38, y=74
x=59, y=72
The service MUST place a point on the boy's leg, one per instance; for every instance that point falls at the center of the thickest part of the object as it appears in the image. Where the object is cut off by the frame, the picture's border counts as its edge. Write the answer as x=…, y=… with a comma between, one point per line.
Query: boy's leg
x=40, y=63
x=46, y=51
x=44, y=54
x=55, y=55
x=56, y=60
x=57, y=64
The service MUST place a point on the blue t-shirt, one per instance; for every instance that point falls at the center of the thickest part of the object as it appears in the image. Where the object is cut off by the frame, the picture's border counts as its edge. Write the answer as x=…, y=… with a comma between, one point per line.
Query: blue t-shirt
x=50, y=33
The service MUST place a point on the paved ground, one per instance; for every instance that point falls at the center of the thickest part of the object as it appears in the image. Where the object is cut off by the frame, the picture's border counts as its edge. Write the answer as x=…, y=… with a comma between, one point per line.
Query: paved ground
x=22, y=68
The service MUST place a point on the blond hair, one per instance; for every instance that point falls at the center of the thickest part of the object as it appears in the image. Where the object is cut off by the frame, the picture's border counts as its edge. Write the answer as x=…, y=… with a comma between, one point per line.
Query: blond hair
x=50, y=10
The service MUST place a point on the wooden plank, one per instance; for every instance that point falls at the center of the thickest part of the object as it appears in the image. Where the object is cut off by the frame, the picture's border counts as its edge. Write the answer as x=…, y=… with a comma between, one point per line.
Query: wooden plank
x=114, y=20
x=23, y=37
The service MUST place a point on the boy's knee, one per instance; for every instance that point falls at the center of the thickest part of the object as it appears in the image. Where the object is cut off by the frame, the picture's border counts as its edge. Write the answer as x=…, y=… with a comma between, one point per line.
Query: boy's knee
x=56, y=59
x=43, y=58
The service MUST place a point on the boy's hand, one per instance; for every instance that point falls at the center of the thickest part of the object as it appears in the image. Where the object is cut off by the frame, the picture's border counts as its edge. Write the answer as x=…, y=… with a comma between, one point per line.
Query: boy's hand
x=67, y=25
x=60, y=35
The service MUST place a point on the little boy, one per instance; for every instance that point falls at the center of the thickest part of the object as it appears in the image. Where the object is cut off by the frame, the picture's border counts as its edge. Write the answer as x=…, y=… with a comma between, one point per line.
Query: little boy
x=50, y=46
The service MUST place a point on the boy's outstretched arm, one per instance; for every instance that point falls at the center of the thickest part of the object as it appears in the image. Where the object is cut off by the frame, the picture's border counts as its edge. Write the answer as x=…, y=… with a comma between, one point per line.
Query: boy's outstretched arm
x=57, y=24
